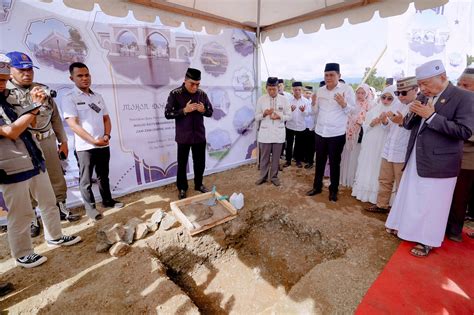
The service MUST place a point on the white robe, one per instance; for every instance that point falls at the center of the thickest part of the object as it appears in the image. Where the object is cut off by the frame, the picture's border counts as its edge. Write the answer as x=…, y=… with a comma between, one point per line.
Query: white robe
x=366, y=183
x=421, y=207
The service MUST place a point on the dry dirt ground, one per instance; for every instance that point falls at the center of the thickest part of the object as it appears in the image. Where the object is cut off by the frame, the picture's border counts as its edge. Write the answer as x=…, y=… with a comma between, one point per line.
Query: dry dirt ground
x=285, y=253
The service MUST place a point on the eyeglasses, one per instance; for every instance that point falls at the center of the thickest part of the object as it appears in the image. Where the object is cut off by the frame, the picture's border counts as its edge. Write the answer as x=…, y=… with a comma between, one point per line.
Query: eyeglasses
x=403, y=93
x=387, y=98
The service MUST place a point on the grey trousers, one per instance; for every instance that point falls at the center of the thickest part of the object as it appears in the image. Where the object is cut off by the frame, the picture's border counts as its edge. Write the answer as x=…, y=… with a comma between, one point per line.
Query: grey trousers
x=269, y=170
x=17, y=199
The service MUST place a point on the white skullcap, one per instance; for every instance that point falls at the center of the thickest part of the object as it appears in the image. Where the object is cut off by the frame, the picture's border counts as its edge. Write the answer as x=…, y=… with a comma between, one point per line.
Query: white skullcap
x=429, y=69
x=4, y=64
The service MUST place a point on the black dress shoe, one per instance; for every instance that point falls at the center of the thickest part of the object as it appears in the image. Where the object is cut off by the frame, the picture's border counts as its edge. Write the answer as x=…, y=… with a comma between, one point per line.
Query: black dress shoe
x=202, y=189
x=182, y=194
x=313, y=192
x=333, y=196
x=35, y=229
x=5, y=288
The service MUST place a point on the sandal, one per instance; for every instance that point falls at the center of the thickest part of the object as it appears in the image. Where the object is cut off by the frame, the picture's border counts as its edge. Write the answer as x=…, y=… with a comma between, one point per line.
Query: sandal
x=391, y=231
x=421, y=250
x=375, y=209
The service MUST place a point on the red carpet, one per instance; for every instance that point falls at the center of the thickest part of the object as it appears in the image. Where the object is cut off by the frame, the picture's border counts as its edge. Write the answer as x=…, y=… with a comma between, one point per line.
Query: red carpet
x=442, y=283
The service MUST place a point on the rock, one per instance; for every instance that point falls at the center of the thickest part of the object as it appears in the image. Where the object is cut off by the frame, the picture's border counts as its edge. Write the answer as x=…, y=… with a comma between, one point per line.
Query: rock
x=129, y=234
x=102, y=247
x=119, y=249
x=133, y=222
x=152, y=226
x=157, y=216
x=168, y=222
x=110, y=234
x=140, y=231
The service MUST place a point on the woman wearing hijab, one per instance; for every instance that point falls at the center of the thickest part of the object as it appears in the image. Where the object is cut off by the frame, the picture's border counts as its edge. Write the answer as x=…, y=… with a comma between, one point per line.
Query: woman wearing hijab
x=351, y=151
x=366, y=183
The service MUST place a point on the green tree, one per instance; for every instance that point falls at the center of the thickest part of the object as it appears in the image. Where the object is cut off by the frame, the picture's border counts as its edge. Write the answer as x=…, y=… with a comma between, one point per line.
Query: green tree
x=373, y=80
x=470, y=60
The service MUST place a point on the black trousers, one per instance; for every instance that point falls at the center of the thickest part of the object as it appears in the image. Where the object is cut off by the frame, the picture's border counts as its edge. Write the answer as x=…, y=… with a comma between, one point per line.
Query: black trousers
x=308, y=146
x=94, y=159
x=295, y=137
x=463, y=192
x=328, y=147
x=199, y=164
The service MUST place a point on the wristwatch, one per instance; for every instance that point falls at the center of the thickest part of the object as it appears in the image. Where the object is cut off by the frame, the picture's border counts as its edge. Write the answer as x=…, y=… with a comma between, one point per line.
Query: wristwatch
x=107, y=135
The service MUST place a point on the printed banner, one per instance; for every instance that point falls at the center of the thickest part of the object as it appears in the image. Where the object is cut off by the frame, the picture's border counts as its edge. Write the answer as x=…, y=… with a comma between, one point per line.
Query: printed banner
x=134, y=65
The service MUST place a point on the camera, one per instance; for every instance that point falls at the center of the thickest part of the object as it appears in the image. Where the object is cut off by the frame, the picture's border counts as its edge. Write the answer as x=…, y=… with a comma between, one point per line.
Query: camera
x=50, y=92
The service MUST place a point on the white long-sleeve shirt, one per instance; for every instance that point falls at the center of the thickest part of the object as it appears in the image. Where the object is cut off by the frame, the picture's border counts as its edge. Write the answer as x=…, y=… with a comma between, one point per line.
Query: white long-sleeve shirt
x=272, y=131
x=331, y=117
x=297, y=122
x=396, y=143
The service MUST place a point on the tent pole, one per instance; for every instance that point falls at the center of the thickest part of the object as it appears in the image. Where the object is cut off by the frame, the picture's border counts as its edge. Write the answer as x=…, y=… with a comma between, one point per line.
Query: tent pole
x=257, y=76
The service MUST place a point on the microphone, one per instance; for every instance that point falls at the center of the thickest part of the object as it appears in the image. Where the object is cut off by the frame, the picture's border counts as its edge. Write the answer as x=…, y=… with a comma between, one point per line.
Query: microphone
x=423, y=100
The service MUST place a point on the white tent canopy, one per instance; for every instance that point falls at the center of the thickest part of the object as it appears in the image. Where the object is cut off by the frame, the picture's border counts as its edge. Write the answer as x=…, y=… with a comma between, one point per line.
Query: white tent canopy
x=273, y=18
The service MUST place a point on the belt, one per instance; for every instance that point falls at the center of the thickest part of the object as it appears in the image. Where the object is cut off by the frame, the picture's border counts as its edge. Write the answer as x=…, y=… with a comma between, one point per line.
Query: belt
x=43, y=135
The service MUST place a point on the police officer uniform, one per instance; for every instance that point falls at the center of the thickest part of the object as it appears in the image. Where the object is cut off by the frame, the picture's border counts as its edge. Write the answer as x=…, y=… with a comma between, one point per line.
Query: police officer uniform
x=190, y=131
x=23, y=172
x=51, y=131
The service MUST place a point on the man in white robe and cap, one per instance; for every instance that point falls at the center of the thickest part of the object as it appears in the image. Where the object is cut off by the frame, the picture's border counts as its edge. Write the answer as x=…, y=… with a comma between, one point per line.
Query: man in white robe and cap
x=438, y=131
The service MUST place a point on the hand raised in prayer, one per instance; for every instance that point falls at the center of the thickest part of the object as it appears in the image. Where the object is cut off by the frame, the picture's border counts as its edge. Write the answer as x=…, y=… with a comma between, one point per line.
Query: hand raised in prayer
x=339, y=98
x=376, y=121
x=293, y=107
x=200, y=107
x=301, y=108
x=395, y=118
x=421, y=110
x=383, y=118
x=190, y=107
x=275, y=116
x=267, y=112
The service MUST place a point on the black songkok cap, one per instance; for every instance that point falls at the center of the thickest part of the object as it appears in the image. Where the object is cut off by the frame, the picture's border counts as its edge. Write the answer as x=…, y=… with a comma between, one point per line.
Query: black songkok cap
x=332, y=67
x=342, y=81
x=389, y=81
x=193, y=74
x=281, y=81
x=296, y=83
x=322, y=83
x=308, y=87
x=272, y=81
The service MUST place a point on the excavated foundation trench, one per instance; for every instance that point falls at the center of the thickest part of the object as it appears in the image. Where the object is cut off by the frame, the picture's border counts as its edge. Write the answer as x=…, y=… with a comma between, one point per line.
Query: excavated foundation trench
x=266, y=241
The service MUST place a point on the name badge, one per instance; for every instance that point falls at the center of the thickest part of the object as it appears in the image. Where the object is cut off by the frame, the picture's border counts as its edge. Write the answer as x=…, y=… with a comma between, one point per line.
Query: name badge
x=95, y=108
x=81, y=103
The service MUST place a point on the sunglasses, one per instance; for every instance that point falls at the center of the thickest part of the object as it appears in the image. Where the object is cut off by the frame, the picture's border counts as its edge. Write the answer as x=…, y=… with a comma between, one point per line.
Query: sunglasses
x=403, y=93
x=387, y=98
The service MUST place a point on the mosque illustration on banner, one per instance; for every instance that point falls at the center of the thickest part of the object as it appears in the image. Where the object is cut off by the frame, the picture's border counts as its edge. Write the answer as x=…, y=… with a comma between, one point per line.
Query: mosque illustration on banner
x=5, y=9
x=214, y=59
x=218, y=143
x=244, y=120
x=55, y=44
x=154, y=54
x=243, y=83
x=243, y=42
x=220, y=102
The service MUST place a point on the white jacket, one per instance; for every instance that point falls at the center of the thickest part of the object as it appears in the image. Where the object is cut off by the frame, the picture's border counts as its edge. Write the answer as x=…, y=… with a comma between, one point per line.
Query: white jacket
x=272, y=131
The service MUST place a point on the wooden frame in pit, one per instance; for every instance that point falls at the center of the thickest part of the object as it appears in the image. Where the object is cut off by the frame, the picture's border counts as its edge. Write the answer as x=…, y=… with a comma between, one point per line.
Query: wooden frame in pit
x=193, y=230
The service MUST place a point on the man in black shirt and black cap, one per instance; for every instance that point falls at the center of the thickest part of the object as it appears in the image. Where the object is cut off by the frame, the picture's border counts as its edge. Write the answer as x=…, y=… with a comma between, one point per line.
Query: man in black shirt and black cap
x=188, y=105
